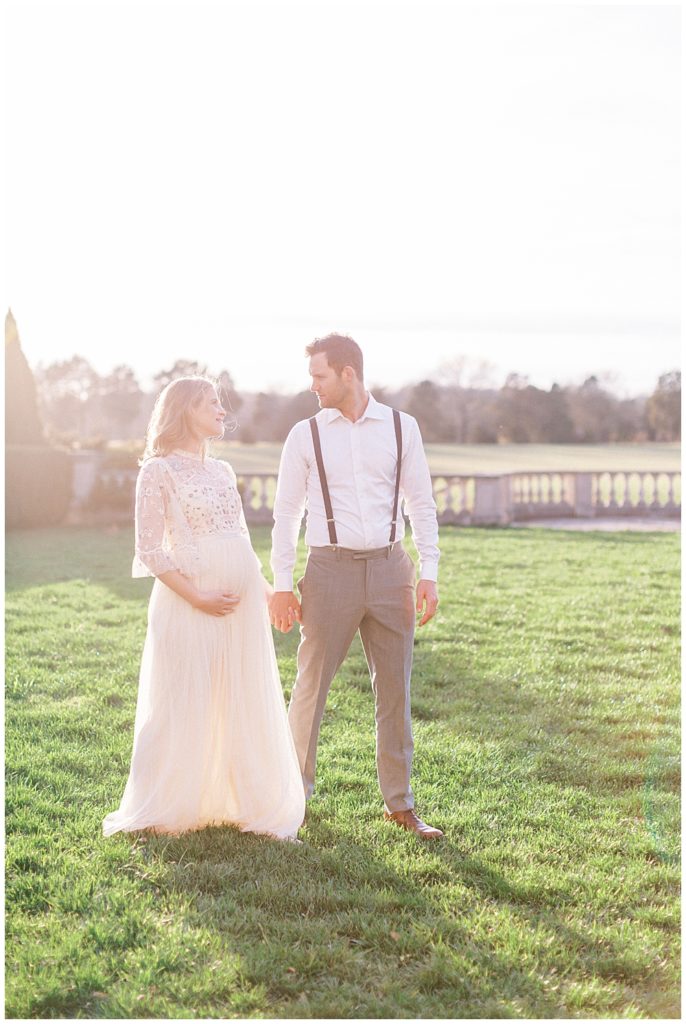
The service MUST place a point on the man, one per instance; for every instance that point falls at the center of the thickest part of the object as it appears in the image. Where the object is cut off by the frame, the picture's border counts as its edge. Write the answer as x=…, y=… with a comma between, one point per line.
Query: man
x=343, y=467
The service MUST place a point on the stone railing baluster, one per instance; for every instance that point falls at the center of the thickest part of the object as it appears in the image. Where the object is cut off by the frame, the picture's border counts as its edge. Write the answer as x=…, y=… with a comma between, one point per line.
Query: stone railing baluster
x=611, y=503
x=619, y=491
x=633, y=491
x=264, y=503
x=247, y=495
x=671, y=492
x=655, y=503
x=449, y=506
x=103, y=493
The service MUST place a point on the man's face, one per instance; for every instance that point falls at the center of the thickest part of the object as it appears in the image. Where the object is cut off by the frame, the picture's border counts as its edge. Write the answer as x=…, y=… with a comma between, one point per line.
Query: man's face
x=329, y=388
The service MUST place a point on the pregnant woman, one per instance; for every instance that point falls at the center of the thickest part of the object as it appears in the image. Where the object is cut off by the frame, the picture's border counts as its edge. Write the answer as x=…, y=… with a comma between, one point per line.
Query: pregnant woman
x=211, y=740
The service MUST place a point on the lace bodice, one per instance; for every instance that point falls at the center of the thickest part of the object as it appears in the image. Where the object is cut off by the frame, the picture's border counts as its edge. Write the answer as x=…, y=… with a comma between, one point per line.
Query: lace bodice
x=180, y=497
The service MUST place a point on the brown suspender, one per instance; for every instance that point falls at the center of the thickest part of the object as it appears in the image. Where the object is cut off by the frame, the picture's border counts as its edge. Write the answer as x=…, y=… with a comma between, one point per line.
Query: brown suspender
x=399, y=445
x=322, y=479
x=330, y=522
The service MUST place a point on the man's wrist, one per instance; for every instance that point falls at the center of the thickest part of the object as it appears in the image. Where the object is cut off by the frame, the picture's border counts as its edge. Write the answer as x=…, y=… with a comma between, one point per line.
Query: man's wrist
x=283, y=582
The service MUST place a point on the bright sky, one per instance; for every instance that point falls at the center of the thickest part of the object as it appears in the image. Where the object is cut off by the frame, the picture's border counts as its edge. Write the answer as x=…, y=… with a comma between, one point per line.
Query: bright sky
x=226, y=182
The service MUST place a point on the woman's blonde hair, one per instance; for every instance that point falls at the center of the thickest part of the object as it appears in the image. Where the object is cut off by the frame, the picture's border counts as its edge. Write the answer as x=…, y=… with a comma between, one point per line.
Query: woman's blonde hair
x=171, y=422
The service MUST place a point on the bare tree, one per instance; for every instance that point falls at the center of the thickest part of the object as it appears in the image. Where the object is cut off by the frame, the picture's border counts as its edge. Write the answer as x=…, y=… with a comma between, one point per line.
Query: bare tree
x=65, y=390
x=120, y=399
x=663, y=409
x=181, y=368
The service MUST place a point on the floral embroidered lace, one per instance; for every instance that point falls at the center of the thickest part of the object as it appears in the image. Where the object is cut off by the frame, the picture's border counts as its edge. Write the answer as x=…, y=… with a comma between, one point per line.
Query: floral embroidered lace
x=180, y=497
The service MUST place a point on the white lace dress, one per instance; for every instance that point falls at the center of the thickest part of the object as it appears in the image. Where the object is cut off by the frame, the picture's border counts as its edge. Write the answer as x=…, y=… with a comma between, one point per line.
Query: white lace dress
x=211, y=739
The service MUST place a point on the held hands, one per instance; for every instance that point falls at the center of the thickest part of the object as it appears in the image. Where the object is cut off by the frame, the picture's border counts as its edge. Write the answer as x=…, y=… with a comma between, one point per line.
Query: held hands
x=284, y=610
x=427, y=600
x=216, y=602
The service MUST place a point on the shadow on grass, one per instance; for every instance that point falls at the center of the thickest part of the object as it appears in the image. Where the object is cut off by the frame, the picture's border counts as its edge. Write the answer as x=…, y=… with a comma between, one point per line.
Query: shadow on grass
x=332, y=916
x=331, y=928
x=342, y=921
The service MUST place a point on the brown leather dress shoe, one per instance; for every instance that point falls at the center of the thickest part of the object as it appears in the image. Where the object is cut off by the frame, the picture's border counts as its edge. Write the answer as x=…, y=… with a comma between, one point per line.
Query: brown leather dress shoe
x=409, y=820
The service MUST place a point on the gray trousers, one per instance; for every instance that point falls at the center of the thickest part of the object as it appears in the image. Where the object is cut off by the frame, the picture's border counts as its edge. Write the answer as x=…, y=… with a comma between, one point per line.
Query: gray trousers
x=343, y=591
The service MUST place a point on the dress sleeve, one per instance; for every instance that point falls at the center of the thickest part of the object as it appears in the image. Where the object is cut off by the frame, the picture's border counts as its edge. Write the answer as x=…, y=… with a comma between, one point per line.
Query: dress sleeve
x=151, y=501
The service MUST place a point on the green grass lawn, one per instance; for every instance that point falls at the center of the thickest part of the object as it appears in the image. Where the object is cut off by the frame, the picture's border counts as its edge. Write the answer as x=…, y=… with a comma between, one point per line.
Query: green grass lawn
x=546, y=709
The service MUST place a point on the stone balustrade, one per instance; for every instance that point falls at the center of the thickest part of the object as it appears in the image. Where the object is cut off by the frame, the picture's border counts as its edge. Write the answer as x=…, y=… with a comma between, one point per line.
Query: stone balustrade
x=105, y=494
x=518, y=497
x=587, y=495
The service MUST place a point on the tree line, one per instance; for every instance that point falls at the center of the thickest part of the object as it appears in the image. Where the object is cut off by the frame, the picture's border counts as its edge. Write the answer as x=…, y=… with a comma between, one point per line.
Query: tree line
x=80, y=406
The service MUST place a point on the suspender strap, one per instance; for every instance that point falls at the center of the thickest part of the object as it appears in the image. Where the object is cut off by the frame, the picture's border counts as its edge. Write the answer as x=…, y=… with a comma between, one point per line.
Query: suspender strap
x=399, y=443
x=322, y=479
x=316, y=440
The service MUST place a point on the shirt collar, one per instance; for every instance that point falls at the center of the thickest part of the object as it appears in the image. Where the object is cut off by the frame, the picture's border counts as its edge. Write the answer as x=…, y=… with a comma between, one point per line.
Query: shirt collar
x=372, y=412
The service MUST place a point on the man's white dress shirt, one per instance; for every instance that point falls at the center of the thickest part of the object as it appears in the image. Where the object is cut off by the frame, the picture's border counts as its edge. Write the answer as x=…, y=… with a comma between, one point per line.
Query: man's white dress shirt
x=360, y=462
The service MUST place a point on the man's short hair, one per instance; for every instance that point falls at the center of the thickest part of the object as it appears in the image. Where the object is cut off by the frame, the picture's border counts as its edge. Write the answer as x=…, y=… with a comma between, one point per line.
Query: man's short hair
x=340, y=351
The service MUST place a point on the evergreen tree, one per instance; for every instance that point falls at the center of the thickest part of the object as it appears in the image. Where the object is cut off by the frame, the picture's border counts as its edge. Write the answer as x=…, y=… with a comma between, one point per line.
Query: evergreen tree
x=22, y=421
x=37, y=477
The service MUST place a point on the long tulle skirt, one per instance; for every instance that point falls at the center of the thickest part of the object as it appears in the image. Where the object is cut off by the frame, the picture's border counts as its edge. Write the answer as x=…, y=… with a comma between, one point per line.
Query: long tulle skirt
x=211, y=738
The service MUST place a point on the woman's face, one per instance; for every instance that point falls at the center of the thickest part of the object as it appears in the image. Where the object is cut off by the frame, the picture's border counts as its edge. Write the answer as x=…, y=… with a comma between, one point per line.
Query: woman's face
x=208, y=416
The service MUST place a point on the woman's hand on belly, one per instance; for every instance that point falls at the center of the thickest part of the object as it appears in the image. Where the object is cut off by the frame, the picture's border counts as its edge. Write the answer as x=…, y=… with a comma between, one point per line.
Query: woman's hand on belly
x=212, y=602
x=216, y=602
